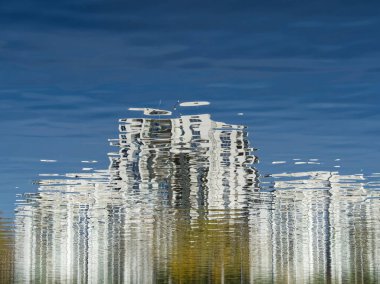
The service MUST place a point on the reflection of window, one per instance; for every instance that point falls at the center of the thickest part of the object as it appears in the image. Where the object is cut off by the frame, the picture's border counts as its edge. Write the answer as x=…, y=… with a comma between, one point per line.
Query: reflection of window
x=194, y=145
x=196, y=132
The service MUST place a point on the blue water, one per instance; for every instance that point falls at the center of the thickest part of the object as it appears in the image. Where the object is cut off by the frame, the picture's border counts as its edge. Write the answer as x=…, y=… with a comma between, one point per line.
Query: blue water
x=303, y=77
x=70, y=126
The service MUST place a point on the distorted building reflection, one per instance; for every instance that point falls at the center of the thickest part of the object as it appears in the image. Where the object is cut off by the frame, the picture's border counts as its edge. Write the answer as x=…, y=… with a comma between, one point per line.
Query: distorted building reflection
x=316, y=228
x=181, y=201
x=121, y=224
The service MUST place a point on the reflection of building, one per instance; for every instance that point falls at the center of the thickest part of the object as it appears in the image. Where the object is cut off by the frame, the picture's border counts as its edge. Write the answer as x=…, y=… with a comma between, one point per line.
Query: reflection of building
x=117, y=225
x=317, y=224
x=185, y=155
x=181, y=201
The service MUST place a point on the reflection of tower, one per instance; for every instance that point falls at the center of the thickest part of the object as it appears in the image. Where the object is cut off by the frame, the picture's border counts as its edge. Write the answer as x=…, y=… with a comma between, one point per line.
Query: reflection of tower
x=181, y=201
x=183, y=156
x=118, y=225
x=200, y=167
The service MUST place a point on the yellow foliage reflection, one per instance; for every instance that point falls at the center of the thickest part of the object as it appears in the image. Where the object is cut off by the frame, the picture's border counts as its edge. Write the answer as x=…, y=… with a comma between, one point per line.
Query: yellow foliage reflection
x=6, y=252
x=210, y=250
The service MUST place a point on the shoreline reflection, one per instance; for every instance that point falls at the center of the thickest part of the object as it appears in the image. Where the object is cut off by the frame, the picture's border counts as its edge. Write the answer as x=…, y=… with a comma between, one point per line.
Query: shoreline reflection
x=182, y=201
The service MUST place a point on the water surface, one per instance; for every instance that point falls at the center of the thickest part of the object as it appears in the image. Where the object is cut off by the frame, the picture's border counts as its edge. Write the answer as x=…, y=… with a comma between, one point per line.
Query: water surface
x=182, y=200
x=302, y=76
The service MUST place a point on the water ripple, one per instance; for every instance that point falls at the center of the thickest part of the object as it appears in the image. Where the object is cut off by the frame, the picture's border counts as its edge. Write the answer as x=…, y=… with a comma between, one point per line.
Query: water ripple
x=183, y=200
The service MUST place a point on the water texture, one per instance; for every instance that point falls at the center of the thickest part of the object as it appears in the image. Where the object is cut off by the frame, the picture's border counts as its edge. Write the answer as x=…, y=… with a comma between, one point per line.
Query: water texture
x=275, y=181
x=182, y=201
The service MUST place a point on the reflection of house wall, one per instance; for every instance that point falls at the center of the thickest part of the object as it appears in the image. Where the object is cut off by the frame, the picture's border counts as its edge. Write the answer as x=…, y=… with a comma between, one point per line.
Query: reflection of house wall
x=355, y=246
x=51, y=243
x=315, y=227
x=99, y=240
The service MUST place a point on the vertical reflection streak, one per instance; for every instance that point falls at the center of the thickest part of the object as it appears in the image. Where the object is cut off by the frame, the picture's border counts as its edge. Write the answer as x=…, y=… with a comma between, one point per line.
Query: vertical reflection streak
x=181, y=201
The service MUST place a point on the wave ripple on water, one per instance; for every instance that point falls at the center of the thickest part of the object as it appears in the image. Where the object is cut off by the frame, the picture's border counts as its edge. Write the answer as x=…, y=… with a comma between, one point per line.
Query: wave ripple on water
x=182, y=199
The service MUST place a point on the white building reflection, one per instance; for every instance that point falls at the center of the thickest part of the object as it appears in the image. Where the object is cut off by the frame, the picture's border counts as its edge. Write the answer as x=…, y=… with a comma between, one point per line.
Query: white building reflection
x=181, y=201
x=317, y=227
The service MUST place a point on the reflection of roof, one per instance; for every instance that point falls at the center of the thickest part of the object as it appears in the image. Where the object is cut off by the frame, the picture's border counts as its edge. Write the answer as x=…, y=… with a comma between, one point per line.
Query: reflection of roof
x=219, y=147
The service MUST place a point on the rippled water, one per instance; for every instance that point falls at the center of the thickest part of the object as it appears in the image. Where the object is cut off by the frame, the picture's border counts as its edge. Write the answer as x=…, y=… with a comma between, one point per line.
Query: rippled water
x=183, y=200
x=184, y=197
